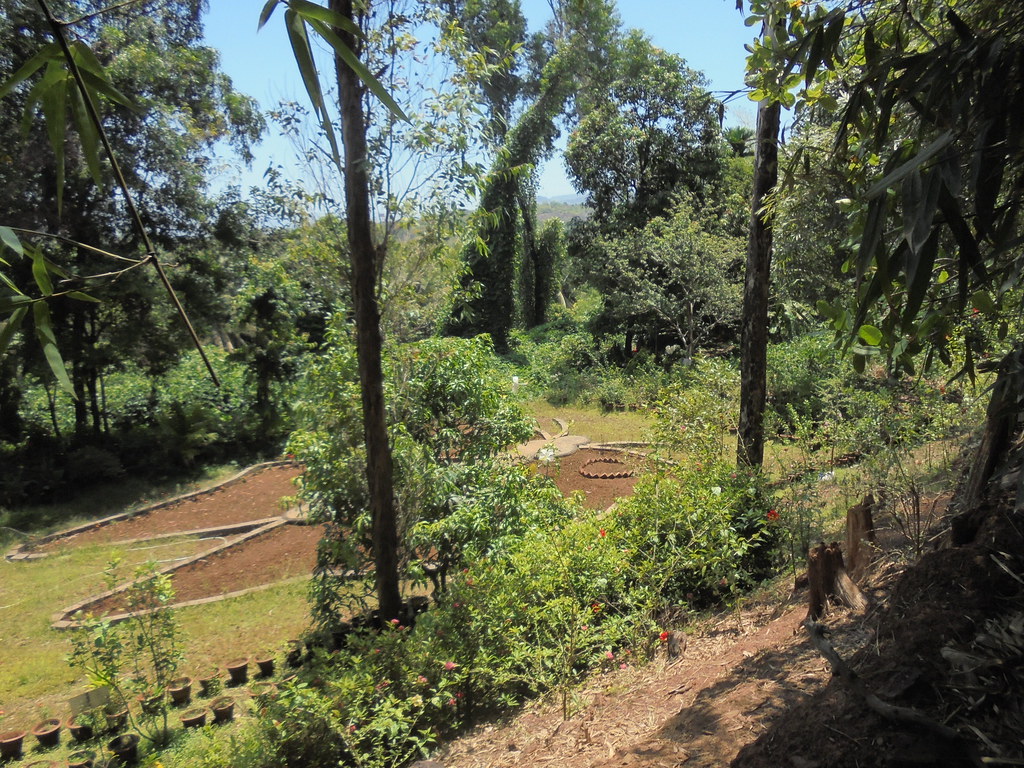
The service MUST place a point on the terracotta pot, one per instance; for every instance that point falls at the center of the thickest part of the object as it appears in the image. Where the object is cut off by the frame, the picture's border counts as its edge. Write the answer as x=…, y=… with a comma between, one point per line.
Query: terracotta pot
x=150, y=703
x=181, y=691
x=294, y=657
x=263, y=692
x=125, y=748
x=79, y=731
x=47, y=733
x=223, y=709
x=266, y=665
x=194, y=718
x=10, y=745
x=117, y=717
x=209, y=683
x=239, y=671
x=82, y=759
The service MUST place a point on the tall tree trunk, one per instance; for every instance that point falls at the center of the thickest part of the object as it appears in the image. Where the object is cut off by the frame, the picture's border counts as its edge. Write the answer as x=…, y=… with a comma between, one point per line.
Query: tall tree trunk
x=78, y=373
x=754, y=344
x=364, y=258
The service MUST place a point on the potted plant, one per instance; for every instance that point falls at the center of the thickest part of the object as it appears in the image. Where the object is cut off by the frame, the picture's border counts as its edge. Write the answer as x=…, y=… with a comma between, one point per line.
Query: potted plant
x=266, y=665
x=116, y=714
x=294, y=657
x=194, y=718
x=151, y=702
x=10, y=744
x=125, y=748
x=209, y=683
x=81, y=759
x=223, y=709
x=47, y=733
x=138, y=657
x=239, y=671
x=181, y=691
x=84, y=725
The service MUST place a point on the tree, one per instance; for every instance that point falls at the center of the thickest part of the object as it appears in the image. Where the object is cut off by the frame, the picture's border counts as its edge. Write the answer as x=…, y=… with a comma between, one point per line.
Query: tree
x=582, y=35
x=167, y=106
x=449, y=414
x=740, y=140
x=491, y=257
x=496, y=29
x=934, y=148
x=365, y=259
x=669, y=282
x=653, y=136
x=358, y=35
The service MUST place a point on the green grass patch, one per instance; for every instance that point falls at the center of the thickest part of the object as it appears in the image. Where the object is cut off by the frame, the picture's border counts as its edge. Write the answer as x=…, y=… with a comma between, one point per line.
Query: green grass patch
x=591, y=422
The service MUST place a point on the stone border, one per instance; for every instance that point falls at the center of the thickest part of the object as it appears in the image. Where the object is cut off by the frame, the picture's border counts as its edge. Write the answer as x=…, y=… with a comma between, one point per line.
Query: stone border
x=616, y=475
x=62, y=620
x=24, y=550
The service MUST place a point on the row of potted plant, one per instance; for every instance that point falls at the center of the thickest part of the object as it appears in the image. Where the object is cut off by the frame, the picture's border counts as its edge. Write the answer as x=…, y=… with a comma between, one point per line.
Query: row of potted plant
x=87, y=725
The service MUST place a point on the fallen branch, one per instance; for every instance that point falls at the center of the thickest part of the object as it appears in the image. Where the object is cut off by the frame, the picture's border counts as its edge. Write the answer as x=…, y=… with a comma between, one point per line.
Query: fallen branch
x=885, y=710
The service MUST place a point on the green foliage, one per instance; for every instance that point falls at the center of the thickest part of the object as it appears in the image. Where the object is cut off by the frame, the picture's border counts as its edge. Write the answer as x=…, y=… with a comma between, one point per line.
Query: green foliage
x=574, y=592
x=450, y=413
x=671, y=277
x=652, y=135
x=137, y=656
x=935, y=204
x=695, y=412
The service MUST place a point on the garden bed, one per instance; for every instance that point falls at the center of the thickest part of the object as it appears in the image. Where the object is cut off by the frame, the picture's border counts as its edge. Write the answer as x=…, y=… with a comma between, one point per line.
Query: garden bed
x=275, y=553
x=598, y=493
x=253, y=496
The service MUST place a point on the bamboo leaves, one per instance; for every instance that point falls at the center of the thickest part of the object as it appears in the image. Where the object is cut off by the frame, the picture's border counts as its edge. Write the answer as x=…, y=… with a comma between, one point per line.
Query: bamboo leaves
x=56, y=94
x=302, y=15
x=16, y=304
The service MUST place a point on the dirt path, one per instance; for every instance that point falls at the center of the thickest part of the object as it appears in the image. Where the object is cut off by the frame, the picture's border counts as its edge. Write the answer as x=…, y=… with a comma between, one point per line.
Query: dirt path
x=699, y=711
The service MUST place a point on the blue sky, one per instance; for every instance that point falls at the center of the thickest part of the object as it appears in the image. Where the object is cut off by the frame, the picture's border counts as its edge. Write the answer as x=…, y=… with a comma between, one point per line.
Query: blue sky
x=709, y=34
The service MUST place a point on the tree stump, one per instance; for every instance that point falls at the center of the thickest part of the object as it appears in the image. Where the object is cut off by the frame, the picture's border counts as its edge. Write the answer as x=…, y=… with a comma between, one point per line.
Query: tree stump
x=828, y=578
x=860, y=530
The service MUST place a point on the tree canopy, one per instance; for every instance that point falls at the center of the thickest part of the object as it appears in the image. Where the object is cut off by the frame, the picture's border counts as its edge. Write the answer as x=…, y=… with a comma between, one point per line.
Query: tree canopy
x=654, y=136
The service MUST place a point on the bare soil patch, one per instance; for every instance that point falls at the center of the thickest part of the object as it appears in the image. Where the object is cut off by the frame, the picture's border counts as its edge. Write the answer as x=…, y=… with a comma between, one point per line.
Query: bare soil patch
x=733, y=680
x=598, y=493
x=254, y=497
x=288, y=551
x=285, y=552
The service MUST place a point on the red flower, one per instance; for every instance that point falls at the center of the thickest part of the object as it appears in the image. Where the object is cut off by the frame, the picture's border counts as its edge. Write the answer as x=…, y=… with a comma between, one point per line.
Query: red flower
x=772, y=516
x=664, y=636
x=602, y=533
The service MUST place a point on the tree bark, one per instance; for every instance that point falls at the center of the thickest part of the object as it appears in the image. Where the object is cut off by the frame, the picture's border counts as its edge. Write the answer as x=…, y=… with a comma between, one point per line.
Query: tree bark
x=1002, y=423
x=754, y=343
x=827, y=577
x=364, y=258
x=860, y=528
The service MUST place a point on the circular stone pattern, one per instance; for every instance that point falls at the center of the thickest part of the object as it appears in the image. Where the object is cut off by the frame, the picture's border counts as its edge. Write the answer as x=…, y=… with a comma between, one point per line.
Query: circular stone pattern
x=613, y=474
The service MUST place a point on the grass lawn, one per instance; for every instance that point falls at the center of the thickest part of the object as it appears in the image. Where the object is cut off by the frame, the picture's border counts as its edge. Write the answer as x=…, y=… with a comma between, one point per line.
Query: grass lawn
x=591, y=422
x=35, y=679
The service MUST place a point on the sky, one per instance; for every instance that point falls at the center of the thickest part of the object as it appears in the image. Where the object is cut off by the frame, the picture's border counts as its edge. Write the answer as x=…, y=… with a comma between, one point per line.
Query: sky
x=708, y=34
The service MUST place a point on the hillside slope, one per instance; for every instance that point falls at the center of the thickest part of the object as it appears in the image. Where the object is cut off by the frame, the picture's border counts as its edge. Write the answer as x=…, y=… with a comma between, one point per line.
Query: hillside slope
x=944, y=636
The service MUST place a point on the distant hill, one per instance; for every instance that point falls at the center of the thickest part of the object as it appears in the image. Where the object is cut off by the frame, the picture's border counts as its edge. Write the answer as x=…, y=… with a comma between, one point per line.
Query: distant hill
x=548, y=208
x=570, y=199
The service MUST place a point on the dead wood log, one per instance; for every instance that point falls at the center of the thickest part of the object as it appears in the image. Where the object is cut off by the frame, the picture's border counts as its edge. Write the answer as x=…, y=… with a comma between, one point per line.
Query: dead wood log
x=887, y=711
x=860, y=529
x=1002, y=424
x=827, y=577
